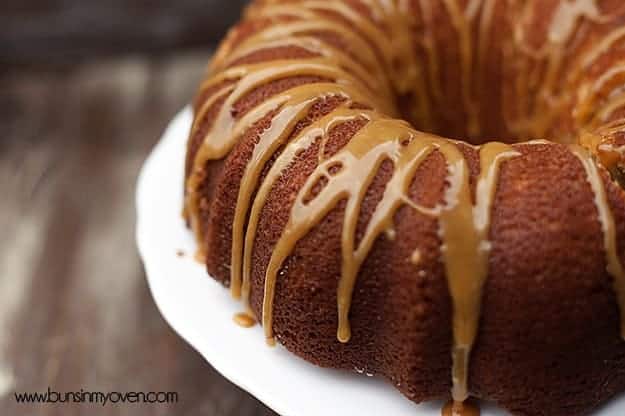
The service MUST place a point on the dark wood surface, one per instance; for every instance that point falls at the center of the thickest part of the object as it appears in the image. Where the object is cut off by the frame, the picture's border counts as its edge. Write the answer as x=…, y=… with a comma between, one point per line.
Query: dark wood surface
x=41, y=31
x=75, y=310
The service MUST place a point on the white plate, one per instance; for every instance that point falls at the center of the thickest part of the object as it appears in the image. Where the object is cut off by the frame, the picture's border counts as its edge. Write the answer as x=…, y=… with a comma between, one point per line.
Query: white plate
x=201, y=311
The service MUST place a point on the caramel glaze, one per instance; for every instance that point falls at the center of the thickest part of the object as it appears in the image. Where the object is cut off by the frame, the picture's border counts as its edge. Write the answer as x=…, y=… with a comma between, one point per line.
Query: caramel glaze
x=608, y=148
x=546, y=82
x=245, y=320
x=466, y=408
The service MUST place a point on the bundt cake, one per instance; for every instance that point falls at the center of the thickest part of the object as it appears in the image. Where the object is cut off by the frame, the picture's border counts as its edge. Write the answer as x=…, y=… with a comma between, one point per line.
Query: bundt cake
x=420, y=250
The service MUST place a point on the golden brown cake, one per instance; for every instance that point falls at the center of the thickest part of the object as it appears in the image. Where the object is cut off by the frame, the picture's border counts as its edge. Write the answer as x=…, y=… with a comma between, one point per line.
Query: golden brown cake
x=478, y=247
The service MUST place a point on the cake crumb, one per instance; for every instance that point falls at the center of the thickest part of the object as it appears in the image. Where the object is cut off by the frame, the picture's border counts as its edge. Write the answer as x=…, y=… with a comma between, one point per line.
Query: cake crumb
x=180, y=253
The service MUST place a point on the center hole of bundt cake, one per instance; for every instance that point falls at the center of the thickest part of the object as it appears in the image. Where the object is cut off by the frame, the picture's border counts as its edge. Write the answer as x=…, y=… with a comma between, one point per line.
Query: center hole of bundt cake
x=477, y=125
x=446, y=114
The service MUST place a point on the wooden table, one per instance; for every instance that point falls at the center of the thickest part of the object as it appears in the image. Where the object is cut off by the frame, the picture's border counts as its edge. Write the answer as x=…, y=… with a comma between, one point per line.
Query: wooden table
x=75, y=310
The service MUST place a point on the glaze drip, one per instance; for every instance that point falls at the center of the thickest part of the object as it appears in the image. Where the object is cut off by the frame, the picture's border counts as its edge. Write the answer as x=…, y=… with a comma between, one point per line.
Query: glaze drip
x=465, y=248
x=606, y=218
x=467, y=408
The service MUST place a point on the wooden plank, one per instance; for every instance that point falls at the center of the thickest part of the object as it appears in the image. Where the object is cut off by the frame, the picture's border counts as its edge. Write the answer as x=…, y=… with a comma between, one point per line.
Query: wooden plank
x=75, y=310
x=52, y=30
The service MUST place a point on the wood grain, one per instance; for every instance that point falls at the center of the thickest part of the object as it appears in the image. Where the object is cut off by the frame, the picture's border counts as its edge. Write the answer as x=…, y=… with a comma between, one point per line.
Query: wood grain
x=75, y=310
